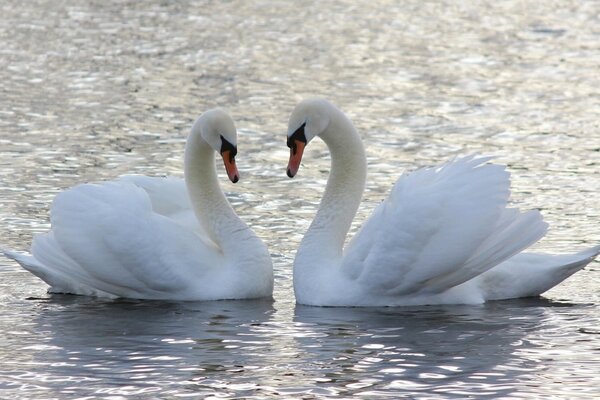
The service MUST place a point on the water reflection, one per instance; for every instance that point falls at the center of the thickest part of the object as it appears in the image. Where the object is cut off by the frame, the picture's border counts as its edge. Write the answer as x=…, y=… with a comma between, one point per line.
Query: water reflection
x=248, y=348
x=463, y=351
x=90, y=344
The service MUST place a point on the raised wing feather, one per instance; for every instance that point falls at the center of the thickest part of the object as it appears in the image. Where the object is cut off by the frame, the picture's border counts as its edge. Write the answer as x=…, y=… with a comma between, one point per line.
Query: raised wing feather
x=108, y=237
x=440, y=227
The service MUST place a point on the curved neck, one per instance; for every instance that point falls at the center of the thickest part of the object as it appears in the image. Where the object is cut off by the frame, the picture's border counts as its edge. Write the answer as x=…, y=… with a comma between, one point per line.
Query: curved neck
x=325, y=236
x=210, y=205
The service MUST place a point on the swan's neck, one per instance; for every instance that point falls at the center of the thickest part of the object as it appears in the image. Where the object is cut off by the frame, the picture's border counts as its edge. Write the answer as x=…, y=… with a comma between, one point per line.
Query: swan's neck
x=210, y=205
x=343, y=193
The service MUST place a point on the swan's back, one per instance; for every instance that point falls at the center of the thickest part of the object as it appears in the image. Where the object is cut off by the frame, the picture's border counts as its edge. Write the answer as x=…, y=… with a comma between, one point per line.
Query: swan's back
x=169, y=197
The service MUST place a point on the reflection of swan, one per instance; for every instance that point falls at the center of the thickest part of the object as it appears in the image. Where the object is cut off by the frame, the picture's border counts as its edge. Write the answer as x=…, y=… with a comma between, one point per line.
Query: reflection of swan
x=106, y=346
x=87, y=322
x=138, y=237
x=423, y=351
x=444, y=235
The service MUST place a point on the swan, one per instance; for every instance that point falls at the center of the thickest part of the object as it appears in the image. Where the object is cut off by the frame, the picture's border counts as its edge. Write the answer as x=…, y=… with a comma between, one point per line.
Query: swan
x=156, y=238
x=444, y=235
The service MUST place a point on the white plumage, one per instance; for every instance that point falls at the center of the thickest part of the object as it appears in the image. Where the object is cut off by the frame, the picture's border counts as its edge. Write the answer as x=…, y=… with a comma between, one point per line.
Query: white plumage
x=155, y=238
x=443, y=235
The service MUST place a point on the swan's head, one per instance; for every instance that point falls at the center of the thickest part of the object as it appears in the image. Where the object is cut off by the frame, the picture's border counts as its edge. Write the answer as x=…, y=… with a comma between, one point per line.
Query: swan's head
x=218, y=130
x=310, y=118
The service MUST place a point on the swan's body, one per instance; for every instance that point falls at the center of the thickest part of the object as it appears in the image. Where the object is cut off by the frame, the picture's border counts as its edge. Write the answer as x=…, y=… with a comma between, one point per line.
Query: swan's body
x=156, y=238
x=444, y=235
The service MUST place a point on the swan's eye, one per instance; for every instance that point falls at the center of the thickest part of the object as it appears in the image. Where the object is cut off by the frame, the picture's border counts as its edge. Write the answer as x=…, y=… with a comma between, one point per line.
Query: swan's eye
x=296, y=136
x=227, y=146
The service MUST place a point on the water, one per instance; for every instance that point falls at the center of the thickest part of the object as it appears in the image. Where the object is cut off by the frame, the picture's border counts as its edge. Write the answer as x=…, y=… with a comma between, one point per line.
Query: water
x=93, y=90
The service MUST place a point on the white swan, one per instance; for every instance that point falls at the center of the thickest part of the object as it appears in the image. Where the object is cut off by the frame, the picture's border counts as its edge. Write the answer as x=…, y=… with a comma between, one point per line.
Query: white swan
x=138, y=237
x=444, y=235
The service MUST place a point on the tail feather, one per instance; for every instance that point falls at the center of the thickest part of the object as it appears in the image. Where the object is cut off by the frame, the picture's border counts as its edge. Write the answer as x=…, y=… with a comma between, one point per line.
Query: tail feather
x=531, y=274
x=31, y=264
x=55, y=268
x=588, y=254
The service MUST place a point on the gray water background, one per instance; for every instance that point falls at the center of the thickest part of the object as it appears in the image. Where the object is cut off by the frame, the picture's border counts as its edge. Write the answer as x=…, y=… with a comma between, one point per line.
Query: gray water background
x=90, y=90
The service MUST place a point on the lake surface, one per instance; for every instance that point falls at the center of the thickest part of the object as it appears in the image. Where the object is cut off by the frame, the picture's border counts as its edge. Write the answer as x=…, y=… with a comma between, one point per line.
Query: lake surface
x=91, y=90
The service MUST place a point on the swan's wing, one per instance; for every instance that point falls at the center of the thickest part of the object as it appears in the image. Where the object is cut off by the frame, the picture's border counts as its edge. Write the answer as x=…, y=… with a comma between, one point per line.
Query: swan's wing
x=107, y=237
x=440, y=227
x=169, y=197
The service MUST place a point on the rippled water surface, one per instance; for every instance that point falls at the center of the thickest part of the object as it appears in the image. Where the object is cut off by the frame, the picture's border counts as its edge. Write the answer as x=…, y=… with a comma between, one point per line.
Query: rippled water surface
x=91, y=90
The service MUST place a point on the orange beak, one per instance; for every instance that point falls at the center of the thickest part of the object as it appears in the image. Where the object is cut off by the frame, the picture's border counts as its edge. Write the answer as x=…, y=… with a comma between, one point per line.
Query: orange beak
x=296, y=152
x=230, y=167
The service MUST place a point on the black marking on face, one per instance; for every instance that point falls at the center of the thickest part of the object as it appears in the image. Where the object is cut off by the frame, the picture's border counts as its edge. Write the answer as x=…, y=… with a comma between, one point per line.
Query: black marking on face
x=225, y=146
x=298, y=135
